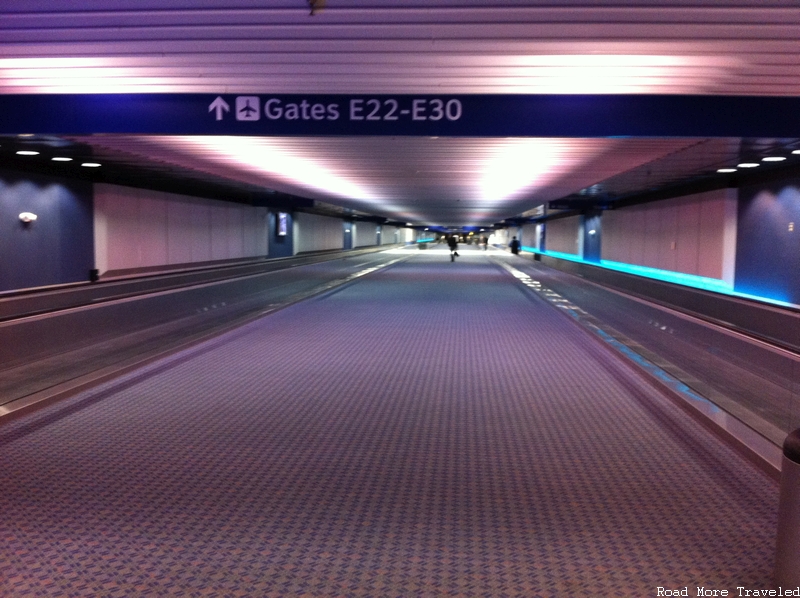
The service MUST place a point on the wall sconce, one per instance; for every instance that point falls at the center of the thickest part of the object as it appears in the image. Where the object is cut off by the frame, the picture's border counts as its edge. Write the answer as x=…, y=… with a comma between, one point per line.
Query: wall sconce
x=27, y=217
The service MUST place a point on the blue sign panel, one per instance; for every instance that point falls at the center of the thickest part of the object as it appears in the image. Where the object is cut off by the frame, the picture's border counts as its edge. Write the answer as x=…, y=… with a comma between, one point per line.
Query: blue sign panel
x=427, y=115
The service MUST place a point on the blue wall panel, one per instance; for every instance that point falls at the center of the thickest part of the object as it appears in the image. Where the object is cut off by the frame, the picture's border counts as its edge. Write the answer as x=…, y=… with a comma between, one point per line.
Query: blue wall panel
x=767, y=249
x=280, y=246
x=347, y=231
x=59, y=246
x=590, y=229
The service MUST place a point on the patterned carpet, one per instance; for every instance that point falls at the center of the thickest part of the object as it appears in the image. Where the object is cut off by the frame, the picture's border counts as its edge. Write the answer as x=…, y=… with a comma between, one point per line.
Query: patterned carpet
x=433, y=429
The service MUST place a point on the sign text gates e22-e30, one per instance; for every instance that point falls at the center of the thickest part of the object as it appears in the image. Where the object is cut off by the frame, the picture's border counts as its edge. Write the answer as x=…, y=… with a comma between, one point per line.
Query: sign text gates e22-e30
x=416, y=115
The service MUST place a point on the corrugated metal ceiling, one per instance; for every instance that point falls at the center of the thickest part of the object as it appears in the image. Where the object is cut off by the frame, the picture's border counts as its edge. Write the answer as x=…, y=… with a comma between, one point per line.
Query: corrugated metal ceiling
x=413, y=46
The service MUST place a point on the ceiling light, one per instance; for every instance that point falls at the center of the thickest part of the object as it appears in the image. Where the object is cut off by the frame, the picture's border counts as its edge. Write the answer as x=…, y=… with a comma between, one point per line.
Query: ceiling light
x=797, y=151
x=726, y=170
x=27, y=217
x=748, y=165
x=773, y=159
x=91, y=164
x=513, y=167
x=61, y=159
x=27, y=153
x=277, y=159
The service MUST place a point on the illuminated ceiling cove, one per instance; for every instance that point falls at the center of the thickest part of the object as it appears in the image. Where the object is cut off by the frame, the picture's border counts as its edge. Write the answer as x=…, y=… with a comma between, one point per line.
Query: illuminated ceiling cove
x=409, y=47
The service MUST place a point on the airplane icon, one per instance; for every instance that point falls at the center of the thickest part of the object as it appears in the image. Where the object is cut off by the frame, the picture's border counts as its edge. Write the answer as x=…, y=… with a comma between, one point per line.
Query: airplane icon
x=247, y=108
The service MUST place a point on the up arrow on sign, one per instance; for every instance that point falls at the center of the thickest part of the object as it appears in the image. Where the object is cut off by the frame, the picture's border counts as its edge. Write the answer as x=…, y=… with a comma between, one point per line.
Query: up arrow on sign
x=220, y=106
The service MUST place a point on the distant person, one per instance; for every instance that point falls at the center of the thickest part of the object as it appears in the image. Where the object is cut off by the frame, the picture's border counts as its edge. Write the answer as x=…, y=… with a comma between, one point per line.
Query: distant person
x=514, y=246
x=453, y=244
x=485, y=242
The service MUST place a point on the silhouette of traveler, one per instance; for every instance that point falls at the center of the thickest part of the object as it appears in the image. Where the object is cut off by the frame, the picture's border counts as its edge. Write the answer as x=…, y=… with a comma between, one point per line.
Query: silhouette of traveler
x=453, y=244
x=514, y=246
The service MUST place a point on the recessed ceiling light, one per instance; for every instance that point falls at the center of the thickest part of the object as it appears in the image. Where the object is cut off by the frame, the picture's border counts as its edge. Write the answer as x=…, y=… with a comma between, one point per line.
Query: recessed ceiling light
x=91, y=164
x=797, y=151
x=773, y=159
x=61, y=159
x=748, y=165
x=726, y=170
x=27, y=153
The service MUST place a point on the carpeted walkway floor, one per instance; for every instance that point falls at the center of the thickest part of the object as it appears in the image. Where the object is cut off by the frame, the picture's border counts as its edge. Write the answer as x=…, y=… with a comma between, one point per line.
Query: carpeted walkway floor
x=432, y=429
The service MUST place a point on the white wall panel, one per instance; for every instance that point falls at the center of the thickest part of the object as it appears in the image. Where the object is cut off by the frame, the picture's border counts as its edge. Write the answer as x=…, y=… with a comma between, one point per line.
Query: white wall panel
x=529, y=235
x=694, y=234
x=562, y=235
x=100, y=234
x=366, y=234
x=500, y=237
x=138, y=228
x=122, y=225
x=687, y=237
x=729, y=235
x=179, y=223
x=235, y=234
x=390, y=235
x=152, y=229
x=201, y=232
x=313, y=232
x=667, y=259
x=219, y=232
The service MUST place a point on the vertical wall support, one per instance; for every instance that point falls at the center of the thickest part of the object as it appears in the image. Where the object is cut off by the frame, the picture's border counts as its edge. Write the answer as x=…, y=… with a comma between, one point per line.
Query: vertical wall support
x=591, y=231
x=348, y=228
x=787, y=557
x=281, y=234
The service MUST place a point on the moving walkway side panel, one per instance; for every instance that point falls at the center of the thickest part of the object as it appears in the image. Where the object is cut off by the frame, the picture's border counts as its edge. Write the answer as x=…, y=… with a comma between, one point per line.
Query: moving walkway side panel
x=777, y=325
x=26, y=339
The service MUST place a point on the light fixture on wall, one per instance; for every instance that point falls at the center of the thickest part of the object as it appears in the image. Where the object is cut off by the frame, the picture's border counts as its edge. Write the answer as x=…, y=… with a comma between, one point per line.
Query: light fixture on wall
x=27, y=217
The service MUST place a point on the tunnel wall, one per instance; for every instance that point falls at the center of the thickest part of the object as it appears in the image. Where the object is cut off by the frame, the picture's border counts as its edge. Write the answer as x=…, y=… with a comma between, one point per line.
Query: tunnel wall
x=366, y=234
x=390, y=235
x=530, y=235
x=695, y=235
x=55, y=249
x=768, y=257
x=313, y=232
x=564, y=235
x=139, y=229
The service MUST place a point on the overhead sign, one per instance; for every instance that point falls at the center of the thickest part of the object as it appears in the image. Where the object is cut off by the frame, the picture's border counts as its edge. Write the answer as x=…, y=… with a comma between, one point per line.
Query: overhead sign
x=425, y=115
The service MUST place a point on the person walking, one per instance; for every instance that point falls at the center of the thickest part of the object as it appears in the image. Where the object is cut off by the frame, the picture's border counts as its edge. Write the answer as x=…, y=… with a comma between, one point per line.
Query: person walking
x=514, y=246
x=453, y=244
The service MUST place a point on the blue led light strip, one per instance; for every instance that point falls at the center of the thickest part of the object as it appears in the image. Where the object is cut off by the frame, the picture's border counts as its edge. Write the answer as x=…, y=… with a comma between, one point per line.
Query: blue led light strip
x=714, y=285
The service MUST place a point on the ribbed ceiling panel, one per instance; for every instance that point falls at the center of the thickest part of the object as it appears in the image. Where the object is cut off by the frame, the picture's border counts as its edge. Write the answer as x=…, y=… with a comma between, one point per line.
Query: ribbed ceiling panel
x=407, y=47
x=740, y=47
